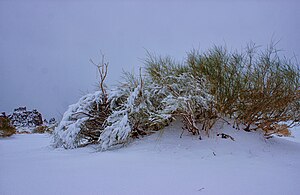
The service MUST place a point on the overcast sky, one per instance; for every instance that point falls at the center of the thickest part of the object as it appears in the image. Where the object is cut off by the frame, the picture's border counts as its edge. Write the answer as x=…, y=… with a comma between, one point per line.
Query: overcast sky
x=45, y=46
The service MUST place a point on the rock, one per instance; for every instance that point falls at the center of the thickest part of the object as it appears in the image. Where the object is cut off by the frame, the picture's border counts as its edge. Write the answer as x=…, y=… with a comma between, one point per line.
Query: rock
x=21, y=117
x=52, y=121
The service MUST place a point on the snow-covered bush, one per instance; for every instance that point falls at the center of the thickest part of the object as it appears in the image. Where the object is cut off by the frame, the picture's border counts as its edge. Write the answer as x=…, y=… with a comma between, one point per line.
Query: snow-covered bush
x=73, y=129
x=127, y=115
x=181, y=93
x=124, y=102
x=135, y=112
x=258, y=90
x=110, y=117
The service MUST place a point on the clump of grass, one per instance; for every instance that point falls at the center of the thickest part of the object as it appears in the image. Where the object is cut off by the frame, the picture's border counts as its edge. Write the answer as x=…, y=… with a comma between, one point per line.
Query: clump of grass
x=6, y=129
x=258, y=89
x=41, y=129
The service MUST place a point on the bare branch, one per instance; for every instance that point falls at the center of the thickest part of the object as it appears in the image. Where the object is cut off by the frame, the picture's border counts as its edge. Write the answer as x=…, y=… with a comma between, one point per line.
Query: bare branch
x=102, y=68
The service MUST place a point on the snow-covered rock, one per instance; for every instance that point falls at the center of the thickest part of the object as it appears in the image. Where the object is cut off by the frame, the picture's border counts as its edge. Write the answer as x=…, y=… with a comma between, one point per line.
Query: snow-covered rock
x=21, y=117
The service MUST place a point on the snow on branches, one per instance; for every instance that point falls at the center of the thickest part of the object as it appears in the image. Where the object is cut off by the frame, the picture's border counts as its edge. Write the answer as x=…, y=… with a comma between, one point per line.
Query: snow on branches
x=67, y=134
x=136, y=107
x=124, y=102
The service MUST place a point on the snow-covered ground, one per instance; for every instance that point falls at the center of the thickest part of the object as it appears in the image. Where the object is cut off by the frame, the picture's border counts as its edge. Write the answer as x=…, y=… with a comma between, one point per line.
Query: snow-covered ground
x=161, y=163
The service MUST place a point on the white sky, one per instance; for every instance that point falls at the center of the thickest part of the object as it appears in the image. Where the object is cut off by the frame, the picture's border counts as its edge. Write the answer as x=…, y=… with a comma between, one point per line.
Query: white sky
x=45, y=46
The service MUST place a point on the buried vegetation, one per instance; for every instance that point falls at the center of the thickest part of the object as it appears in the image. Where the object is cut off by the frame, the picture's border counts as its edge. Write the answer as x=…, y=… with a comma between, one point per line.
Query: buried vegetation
x=255, y=89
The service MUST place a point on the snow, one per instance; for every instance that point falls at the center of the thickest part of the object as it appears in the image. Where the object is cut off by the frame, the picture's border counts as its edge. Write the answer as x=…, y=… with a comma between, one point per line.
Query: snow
x=162, y=163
